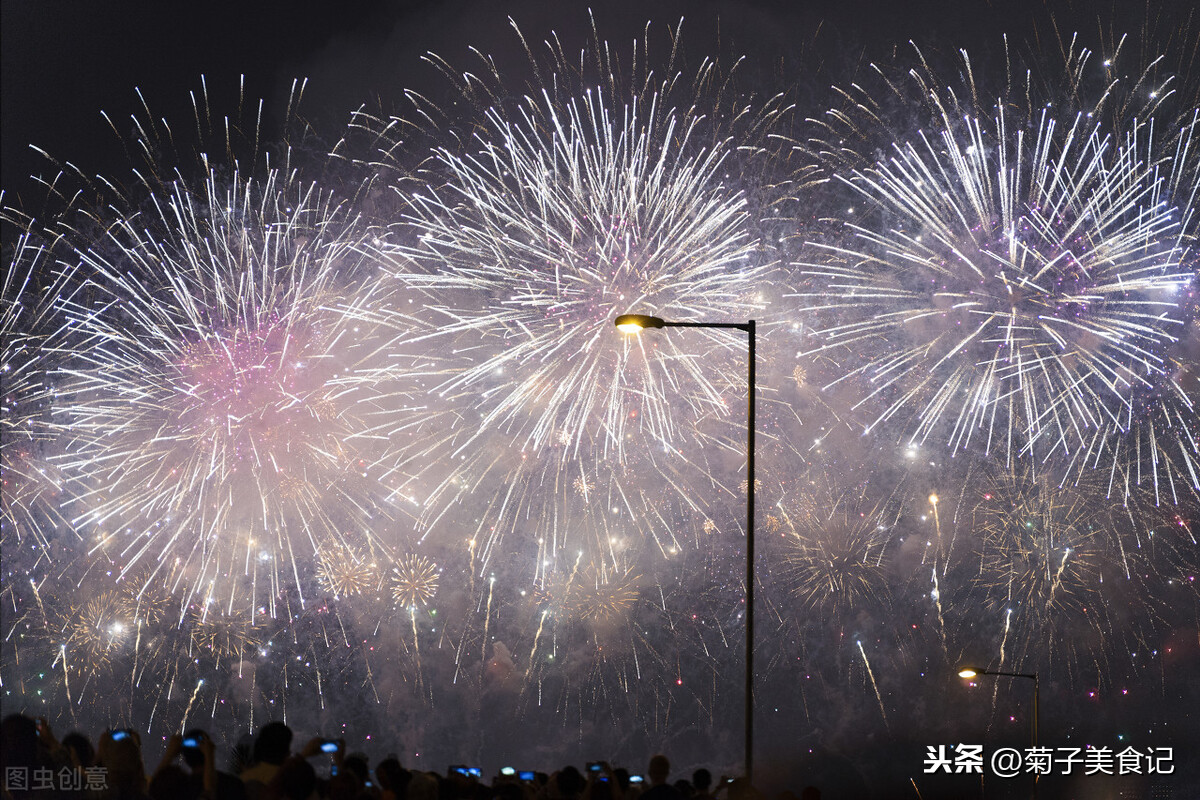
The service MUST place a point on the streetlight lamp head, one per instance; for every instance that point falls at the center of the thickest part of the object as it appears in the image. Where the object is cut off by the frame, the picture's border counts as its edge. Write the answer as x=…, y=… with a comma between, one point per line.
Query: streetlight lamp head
x=633, y=323
x=968, y=672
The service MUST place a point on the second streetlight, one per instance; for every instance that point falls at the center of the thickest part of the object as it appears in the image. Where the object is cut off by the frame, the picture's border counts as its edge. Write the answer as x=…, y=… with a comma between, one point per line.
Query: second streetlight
x=634, y=323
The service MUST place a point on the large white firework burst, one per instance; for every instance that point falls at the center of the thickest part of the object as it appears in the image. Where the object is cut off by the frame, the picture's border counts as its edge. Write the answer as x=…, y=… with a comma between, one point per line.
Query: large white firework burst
x=1013, y=292
x=555, y=220
x=534, y=218
x=215, y=392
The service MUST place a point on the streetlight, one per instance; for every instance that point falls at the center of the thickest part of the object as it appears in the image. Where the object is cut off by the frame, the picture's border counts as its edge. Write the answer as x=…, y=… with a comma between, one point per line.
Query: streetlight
x=971, y=672
x=635, y=323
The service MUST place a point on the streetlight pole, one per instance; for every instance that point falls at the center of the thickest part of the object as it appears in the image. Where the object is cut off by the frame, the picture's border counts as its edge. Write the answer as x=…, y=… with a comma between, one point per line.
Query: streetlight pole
x=971, y=672
x=634, y=323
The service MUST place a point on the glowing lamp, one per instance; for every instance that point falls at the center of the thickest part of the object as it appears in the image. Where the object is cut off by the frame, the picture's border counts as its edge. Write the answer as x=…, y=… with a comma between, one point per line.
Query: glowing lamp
x=633, y=323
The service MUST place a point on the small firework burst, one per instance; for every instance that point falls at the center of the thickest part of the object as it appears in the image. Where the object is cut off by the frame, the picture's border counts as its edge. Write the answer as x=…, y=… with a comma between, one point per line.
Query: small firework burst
x=835, y=544
x=342, y=572
x=224, y=635
x=744, y=485
x=1042, y=548
x=800, y=375
x=148, y=599
x=98, y=631
x=709, y=526
x=606, y=595
x=584, y=486
x=838, y=562
x=414, y=581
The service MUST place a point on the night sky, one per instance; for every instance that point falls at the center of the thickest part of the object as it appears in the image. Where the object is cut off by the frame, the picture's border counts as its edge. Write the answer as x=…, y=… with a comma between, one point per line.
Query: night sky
x=66, y=62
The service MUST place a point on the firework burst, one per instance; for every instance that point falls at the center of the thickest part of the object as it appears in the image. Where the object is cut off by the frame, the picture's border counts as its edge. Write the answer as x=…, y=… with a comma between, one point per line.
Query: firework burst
x=562, y=219
x=1016, y=294
x=100, y=631
x=533, y=223
x=223, y=635
x=343, y=573
x=1044, y=561
x=414, y=581
x=835, y=548
x=211, y=397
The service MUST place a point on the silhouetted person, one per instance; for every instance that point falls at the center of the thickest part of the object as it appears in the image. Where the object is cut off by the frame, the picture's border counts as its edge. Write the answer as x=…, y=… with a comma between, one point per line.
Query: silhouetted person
x=271, y=749
x=228, y=786
x=295, y=779
x=80, y=749
x=171, y=782
x=356, y=763
x=25, y=747
x=122, y=759
x=392, y=779
x=657, y=772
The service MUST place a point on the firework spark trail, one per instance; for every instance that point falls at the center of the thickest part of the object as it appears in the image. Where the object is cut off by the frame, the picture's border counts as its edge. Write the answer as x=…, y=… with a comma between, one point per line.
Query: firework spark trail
x=187, y=711
x=944, y=554
x=487, y=617
x=874, y=685
x=412, y=615
x=537, y=637
x=66, y=673
x=936, y=594
x=30, y=326
x=1004, y=639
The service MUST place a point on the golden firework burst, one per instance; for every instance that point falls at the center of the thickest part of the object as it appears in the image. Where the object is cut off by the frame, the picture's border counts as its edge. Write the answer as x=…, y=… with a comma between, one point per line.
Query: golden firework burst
x=224, y=635
x=744, y=486
x=323, y=408
x=147, y=599
x=836, y=555
x=342, y=572
x=800, y=376
x=1042, y=546
x=98, y=630
x=606, y=595
x=291, y=487
x=414, y=581
x=710, y=526
x=584, y=486
x=838, y=563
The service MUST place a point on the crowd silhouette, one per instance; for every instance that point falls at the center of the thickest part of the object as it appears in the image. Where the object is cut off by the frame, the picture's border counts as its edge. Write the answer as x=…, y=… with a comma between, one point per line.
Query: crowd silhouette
x=36, y=764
